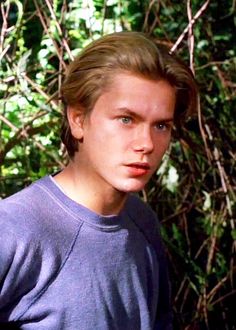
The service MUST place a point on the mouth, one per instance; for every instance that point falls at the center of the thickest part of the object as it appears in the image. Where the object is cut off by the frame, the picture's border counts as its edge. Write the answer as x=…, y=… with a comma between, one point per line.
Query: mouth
x=145, y=166
x=139, y=168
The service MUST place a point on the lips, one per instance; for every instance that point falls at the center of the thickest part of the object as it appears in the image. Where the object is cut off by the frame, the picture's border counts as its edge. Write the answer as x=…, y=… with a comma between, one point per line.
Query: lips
x=138, y=168
x=140, y=165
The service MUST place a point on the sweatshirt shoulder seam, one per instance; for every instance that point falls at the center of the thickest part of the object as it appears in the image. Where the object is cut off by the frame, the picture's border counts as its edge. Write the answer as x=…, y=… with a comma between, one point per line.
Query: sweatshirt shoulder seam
x=44, y=289
x=56, y=200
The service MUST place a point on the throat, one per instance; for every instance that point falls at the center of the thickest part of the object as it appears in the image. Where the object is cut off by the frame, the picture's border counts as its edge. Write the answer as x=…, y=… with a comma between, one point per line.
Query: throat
x=99, y=199
x=111, y=204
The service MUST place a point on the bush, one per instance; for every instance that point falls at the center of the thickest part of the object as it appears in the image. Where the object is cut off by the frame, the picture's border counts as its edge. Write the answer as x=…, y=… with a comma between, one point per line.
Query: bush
x=194, y=190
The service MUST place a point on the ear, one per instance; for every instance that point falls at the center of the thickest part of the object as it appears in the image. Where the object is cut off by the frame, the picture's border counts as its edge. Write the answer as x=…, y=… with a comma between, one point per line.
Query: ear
x=76, y=119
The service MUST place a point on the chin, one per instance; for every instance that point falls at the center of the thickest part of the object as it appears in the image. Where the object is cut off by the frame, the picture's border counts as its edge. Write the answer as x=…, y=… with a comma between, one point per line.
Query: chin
x=132, y=187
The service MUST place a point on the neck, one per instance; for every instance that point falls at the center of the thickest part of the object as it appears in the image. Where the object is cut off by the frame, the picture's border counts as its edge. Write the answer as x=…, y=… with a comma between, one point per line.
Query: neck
x=80, y=187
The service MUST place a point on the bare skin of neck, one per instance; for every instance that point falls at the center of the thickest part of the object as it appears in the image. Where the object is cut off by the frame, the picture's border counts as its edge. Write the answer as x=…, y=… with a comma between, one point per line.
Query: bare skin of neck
x=80, y=186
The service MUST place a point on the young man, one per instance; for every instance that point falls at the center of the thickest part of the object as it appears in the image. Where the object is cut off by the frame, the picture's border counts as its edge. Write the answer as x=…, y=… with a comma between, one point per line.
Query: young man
x=78, y=249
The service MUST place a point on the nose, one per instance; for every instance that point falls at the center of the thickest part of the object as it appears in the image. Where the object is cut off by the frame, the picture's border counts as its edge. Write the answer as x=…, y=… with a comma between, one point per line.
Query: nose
x=143, y=142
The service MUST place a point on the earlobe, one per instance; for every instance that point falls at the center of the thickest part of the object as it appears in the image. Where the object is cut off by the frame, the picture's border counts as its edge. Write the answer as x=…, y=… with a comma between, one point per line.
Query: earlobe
x=76, y=118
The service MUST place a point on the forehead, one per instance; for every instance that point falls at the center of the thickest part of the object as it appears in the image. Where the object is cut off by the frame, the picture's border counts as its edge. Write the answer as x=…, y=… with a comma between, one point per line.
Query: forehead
x=128, y=82
x=137, y=94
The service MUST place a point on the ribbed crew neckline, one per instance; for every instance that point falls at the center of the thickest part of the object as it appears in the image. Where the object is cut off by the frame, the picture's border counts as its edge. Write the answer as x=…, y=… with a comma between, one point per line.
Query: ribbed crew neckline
x=109, y=222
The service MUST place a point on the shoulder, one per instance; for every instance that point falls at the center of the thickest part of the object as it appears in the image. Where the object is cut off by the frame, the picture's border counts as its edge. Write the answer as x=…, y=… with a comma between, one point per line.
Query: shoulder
x=147, y=222
x=36, y=241
x=19, y=246
x=22, y=199
x=20, y=211
x=32, y=215
x=33, y=209
x=35, y=215
x=144, y=217
x=140, y=210
x=20, y=225
x=28, y=196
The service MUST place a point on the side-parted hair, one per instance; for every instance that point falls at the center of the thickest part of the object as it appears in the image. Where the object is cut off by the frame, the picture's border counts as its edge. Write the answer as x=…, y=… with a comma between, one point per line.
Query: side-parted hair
x=91, y=73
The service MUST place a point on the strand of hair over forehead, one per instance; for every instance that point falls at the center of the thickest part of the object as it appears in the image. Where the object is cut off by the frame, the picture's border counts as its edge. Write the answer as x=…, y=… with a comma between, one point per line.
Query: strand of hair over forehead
x=122, y=45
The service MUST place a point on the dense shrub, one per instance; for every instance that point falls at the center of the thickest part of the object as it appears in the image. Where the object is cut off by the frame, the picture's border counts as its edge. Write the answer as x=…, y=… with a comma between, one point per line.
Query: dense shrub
x=194, y=190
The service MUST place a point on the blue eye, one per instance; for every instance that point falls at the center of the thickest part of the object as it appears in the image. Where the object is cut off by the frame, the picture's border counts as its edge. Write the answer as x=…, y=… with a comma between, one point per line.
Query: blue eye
x=126, y=120
x=164, y=127
x=161, y=127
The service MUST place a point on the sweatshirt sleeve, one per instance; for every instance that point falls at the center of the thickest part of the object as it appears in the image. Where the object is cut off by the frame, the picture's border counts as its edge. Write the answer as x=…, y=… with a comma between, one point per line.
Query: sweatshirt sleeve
x=164, y=318
x=34, y=244
x=148, y=223
x=19, y=265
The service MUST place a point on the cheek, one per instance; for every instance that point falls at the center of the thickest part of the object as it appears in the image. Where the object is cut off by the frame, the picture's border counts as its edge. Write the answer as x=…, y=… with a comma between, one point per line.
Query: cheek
x=161, y=146
x=112, y=139
x=104, y=130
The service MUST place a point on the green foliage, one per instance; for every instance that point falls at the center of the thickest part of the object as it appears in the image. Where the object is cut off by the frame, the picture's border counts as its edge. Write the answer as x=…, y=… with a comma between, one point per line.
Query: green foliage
x=194, y=190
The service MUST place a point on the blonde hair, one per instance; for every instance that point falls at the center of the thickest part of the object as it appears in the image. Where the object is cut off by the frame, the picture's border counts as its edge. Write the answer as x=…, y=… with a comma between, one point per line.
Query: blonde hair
x=91, y=73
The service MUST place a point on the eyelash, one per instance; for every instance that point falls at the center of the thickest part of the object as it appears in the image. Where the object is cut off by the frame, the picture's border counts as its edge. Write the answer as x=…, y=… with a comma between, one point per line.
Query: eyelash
x=124, y=120
x=160, y=126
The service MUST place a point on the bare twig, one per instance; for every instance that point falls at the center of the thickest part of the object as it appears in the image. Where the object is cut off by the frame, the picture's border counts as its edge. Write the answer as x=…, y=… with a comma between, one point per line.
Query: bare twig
x=187, y=234
x=40, y=91
x=44, y=22
x=4, y=24
x=184, y=281
x=190, y=24
x=217, y=301
x=63, y=40
x=211, y=250
x=223, y=175
x=217, y=287
x=213, y=63
x=145, y=24
x=190, y=36
x=4, y=29
x=200, y=122
x=26, y=135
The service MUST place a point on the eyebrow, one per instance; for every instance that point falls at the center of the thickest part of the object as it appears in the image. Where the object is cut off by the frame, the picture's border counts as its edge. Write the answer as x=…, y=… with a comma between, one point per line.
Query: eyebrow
x=140, y=117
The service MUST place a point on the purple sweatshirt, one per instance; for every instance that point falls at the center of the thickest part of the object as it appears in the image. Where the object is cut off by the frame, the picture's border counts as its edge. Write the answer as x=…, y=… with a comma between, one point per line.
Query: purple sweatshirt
x=62, y=266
